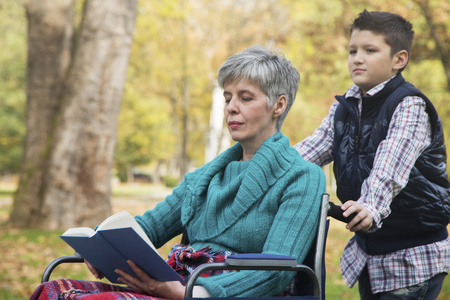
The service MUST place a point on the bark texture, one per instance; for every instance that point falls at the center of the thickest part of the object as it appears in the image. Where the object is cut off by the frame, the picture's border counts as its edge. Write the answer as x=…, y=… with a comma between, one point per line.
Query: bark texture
x=73, y=170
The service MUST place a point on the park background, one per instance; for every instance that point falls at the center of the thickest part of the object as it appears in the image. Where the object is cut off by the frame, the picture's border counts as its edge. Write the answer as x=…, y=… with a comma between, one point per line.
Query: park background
x=105, y=105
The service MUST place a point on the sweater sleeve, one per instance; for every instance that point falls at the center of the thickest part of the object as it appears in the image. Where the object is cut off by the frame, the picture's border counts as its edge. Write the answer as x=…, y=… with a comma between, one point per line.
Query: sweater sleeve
x=163, y=223
x=291, y=233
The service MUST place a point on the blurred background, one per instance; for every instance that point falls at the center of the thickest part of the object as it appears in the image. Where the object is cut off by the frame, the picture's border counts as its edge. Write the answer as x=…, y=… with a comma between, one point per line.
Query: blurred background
x=105, y=105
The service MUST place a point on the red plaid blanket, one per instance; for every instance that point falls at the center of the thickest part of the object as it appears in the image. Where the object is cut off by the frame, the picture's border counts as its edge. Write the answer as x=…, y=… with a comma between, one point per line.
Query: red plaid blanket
x=182, y=258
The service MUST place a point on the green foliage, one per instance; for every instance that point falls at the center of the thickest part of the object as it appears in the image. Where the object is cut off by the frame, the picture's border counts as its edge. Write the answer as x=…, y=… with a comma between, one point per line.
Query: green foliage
x=171, y=181
x=12, y=85
x=143, y=134
x=178, y=47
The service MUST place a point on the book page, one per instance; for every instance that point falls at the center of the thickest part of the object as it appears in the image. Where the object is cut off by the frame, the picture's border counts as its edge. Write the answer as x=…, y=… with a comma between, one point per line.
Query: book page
x=79, y=231
x=125, y=219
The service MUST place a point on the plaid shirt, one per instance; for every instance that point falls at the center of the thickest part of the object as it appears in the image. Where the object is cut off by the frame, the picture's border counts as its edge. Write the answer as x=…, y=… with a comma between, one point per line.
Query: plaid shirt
x=408, y=136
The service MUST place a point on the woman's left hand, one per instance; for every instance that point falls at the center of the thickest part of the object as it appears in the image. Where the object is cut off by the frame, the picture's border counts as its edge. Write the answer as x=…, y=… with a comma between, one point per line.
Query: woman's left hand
x=143, y=283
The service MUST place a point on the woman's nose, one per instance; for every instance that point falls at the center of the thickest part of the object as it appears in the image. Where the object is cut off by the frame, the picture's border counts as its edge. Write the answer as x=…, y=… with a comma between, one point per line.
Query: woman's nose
x=232, y=106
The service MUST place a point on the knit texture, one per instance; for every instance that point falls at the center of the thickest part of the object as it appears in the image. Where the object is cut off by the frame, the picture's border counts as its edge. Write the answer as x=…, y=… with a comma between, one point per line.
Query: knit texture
x=269, y=204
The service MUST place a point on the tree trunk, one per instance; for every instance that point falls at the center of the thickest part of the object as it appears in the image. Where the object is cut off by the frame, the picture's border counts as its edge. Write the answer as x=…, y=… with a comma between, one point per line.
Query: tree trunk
x=75, y=181
x=50, y=32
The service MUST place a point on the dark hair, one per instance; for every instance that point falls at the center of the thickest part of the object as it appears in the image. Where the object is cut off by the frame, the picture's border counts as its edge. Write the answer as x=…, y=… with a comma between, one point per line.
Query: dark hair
x=397, y=31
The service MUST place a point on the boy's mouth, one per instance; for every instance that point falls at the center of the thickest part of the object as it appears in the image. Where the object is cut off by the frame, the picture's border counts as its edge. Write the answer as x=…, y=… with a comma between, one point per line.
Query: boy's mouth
x=358, y=71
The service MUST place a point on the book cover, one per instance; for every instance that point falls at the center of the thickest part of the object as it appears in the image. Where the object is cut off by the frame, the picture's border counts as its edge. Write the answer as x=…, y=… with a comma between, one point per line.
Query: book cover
x=109, y=249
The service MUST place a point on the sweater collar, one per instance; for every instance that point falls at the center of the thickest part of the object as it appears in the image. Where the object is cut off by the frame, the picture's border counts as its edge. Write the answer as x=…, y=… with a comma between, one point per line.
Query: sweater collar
x=272, y=160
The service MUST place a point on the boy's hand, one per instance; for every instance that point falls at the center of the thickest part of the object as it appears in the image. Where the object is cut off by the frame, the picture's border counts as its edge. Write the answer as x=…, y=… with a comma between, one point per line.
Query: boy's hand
x=363, y=219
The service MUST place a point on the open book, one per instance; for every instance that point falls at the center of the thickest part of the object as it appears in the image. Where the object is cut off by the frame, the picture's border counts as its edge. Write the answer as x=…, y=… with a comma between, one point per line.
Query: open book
x=117, y=239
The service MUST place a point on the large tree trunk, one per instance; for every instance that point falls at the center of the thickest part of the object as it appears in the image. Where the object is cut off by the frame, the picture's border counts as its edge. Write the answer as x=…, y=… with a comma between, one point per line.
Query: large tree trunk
x=50, y=32
x=75, y=161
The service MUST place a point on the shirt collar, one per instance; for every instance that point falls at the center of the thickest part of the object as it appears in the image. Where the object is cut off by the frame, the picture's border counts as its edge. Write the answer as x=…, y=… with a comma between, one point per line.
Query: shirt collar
x=355, y=92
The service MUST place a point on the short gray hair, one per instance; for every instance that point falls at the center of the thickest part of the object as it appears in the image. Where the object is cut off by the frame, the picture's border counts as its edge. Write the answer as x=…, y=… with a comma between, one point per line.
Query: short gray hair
x=267, y=69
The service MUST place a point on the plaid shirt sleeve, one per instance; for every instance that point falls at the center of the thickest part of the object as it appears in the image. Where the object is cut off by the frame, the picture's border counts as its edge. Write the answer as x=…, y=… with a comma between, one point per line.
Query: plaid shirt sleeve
x=408, y=135
x=317, y=147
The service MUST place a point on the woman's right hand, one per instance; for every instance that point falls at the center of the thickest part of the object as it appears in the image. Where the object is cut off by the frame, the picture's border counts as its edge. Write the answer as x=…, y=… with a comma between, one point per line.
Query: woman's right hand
x=94, y=271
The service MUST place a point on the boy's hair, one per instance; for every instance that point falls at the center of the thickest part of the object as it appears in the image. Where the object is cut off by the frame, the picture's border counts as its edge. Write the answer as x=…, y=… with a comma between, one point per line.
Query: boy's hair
x=267, y=69
x=397, y=31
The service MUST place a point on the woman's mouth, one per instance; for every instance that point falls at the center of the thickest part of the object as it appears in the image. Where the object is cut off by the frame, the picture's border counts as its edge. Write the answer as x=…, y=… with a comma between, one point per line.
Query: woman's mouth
x=234, y=124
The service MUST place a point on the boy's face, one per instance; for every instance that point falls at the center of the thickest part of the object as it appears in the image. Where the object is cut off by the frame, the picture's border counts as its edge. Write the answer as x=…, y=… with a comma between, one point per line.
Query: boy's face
x=369, y=60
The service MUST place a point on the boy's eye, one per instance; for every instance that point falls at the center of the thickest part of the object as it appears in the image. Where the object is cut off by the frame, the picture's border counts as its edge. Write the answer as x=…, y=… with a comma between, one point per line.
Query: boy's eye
x=246, y=99
x=370, y=50
x=351, y=51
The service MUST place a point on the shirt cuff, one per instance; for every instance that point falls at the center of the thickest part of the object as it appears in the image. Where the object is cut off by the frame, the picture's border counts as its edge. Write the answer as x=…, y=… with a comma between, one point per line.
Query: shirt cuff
x=376, y=218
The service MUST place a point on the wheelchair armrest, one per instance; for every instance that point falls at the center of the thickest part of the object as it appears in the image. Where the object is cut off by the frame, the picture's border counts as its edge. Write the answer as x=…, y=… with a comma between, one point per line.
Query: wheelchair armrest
x=254, y=261
x=76, y=258
x=260, y=259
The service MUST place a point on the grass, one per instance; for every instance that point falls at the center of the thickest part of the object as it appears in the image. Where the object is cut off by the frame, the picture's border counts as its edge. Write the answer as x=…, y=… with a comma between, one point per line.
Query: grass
x=26, y=253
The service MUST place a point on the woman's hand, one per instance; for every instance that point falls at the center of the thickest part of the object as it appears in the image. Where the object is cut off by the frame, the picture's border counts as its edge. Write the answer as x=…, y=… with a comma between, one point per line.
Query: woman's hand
x=143, y=283
x=93, y=270
x=363, y=219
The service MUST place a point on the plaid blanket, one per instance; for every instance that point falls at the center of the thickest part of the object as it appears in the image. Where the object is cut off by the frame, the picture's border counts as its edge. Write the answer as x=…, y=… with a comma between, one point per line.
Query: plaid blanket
x=182, y=259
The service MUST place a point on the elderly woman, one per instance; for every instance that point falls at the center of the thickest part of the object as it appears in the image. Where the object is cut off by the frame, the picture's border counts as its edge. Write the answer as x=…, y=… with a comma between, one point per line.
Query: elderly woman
x=259, y=196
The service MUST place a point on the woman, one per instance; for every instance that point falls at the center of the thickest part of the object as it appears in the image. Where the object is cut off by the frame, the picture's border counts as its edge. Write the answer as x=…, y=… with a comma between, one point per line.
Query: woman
x=259, y=196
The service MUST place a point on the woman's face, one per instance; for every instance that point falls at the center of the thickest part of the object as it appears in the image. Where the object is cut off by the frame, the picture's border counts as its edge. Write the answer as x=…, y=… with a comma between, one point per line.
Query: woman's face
x=248, y=117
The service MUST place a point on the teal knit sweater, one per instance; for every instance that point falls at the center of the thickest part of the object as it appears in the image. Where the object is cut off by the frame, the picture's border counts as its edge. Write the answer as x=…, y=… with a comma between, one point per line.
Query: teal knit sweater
x=269, y=204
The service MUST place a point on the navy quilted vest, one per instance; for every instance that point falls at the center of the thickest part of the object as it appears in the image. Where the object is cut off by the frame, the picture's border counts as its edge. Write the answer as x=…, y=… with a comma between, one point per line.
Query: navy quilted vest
x=421, y=212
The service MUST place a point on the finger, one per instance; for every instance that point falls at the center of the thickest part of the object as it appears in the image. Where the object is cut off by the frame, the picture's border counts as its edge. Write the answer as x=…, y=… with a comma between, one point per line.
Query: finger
x=359, y=217
x=130, y=280
x=140, y=273
x=353, y=223
x=365, y=224
x=347, y=204
x=350, y=208
x=93, y=270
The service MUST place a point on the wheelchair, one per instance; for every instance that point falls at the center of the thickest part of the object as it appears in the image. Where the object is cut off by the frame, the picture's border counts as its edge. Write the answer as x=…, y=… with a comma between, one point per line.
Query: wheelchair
x=311, y=273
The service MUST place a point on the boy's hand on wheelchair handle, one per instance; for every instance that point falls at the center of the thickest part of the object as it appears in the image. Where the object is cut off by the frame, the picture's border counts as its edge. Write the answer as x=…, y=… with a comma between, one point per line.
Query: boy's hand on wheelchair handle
x=363, y=219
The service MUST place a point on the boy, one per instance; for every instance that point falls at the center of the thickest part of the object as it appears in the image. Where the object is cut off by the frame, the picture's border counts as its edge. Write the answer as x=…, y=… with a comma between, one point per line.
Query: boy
x=386, y=141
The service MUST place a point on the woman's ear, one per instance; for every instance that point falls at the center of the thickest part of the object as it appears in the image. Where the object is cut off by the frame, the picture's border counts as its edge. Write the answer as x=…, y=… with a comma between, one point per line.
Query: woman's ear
x=400, y=59
x=280, y=106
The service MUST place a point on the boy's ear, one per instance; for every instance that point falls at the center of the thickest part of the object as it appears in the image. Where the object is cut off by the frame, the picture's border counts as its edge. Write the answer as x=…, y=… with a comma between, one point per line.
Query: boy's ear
x=400, y=59
x=280, y=106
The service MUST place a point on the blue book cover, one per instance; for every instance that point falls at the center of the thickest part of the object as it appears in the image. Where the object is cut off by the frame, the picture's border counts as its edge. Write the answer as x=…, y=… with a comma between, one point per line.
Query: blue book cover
x=109, y=248
x=132, y=247
x=99, y=254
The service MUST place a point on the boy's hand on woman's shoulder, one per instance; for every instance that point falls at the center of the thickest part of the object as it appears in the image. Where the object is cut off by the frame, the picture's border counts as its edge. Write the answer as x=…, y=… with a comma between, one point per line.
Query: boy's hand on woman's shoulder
x=363, y=219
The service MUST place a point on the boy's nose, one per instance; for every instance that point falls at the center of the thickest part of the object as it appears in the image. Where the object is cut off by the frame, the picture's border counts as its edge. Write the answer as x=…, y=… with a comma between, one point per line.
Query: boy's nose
x=359, y=57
